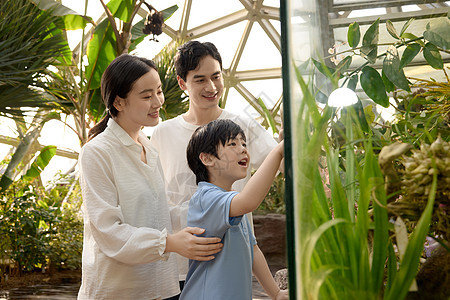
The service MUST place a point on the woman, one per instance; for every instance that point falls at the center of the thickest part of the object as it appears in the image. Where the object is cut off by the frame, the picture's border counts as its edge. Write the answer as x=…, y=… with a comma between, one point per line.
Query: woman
x=127, y=240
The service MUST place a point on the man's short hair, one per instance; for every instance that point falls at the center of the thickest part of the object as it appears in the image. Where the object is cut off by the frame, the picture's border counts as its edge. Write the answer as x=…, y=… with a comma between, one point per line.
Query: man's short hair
x=189, y=55
x=206, y=139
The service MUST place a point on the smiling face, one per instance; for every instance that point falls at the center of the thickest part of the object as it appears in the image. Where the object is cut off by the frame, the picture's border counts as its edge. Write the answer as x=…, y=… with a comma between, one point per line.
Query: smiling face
x=204, y=84
x=141, y=105
x=231, y=164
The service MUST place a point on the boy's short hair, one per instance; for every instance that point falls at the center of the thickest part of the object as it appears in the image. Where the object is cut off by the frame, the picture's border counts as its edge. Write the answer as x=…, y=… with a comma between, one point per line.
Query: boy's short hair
x=206, y=139
x=189, y=55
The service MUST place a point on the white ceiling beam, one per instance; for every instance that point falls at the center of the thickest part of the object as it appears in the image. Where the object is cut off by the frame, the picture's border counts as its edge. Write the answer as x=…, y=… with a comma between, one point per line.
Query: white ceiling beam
x=218, y=24
x=16, y=141
x=377, y=4
x=249, y=97
x=226, y=90
x=270, y=12
x=248, y=4
x=170, y=32
x=185, y=17
x=341, y=22
x=271, y=32
x=240, y=49
x=258, y=74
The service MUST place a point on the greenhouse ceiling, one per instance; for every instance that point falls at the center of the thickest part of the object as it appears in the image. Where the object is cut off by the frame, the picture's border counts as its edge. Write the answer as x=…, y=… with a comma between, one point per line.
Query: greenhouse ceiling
x=247, y=33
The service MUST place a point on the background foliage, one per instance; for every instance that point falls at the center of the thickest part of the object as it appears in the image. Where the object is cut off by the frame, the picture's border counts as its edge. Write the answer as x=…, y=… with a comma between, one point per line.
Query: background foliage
x=352, y=245
x=42, y=228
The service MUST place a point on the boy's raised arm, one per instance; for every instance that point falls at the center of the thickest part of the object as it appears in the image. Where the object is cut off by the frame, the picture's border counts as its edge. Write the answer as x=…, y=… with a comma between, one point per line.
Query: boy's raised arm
x=258, y=186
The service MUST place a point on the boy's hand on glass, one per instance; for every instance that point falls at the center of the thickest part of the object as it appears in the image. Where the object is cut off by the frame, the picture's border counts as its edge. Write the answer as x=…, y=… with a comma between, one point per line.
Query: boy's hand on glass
x=283, y=295
x=185, y=243
x=280, y=147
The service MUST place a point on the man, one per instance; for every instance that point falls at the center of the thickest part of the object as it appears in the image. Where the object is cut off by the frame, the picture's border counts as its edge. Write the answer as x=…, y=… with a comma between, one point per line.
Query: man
x=199, y=72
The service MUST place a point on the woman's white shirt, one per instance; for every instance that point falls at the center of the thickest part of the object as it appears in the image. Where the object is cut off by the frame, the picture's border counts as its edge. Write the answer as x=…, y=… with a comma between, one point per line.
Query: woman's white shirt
x=126, y=220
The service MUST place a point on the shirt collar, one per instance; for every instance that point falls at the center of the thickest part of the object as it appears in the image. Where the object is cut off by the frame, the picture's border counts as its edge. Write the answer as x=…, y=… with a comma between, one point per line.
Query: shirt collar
x=121, y=134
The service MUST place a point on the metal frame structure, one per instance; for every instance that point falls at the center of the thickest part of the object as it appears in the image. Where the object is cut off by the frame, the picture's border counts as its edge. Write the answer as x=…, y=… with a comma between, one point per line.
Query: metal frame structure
x=253, y=11
x=336, y=13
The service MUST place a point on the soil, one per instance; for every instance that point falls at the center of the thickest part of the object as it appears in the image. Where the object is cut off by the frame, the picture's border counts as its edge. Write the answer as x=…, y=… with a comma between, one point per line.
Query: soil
x=38, y=278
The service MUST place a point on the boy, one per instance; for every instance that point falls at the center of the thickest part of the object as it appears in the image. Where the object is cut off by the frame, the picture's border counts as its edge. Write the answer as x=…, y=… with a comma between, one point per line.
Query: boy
x=199, y=72
x=217, y=154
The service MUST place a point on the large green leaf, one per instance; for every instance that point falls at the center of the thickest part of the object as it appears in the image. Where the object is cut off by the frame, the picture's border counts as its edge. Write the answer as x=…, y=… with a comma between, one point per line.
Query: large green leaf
x=353, y=34
x=96, y=105
x=40, y=162
x=409, y=54
x=369, y=47
x=168, y=12
x=72, y=20
x=438, y=33
x=122, y=9
x=373, y=85
x=102, y=48
x=432, y=56
x=101, y=51
x=391, y=67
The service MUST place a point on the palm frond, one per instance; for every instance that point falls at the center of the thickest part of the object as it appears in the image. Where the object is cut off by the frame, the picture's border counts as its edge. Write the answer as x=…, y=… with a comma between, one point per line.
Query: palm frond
x=31, y=41
x=176, y=101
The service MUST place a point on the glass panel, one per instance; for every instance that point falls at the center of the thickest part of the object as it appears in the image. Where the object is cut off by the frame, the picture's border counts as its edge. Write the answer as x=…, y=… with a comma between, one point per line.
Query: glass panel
x=365, y=100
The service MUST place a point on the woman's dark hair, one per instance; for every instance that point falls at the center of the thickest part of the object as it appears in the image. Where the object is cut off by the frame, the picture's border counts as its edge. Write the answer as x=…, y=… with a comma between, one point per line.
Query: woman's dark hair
x=206, y=139
x=189, y=55
x=118, y=80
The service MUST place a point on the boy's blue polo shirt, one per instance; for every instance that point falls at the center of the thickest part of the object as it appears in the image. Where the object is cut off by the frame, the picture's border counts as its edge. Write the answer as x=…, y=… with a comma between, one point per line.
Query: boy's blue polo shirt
x=229, y=275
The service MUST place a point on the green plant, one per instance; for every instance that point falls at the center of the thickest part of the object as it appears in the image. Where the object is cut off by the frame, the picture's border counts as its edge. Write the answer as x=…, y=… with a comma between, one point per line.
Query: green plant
x=42, y=228
x=346, y=241
x=274, y=201
x=79, y=83
x=22, y=223
x=66, y=244
x=30, y=42
x=435, y=39
x=176, y=101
